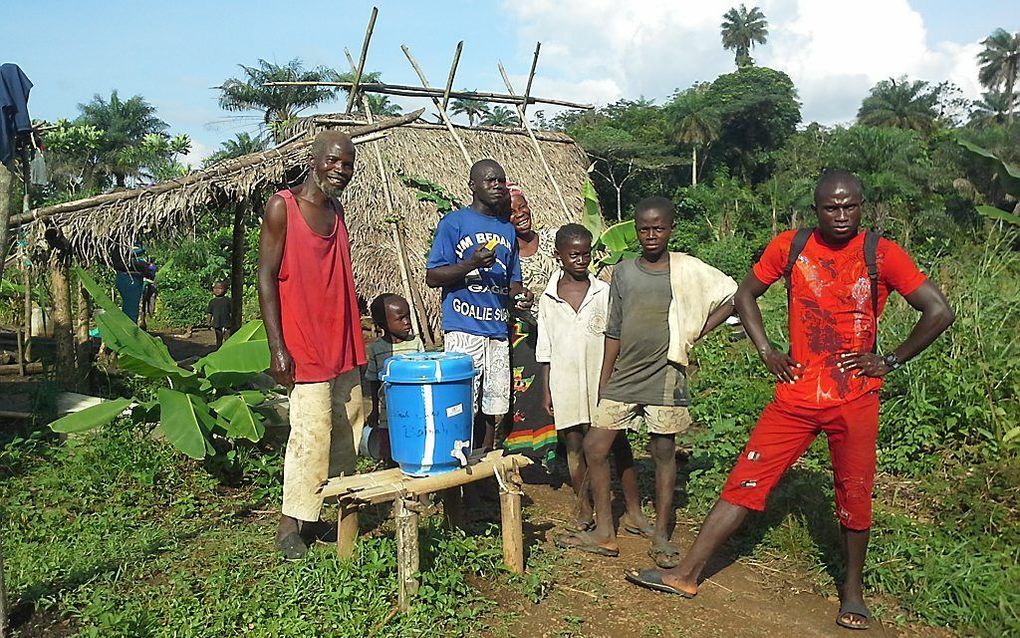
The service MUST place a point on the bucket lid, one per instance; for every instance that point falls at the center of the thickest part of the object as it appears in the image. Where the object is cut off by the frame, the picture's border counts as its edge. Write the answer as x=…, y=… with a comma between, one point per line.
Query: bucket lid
x=428, y=367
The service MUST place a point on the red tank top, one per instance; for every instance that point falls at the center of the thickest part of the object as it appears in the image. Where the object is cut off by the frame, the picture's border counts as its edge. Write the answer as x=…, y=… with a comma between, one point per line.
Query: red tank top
x=318, y=307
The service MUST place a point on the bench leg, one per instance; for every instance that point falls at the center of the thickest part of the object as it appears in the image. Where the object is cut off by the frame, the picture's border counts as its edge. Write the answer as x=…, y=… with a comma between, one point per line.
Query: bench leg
x=453, y=507
x=407, y=551
x=346, y=531
x=512, y=523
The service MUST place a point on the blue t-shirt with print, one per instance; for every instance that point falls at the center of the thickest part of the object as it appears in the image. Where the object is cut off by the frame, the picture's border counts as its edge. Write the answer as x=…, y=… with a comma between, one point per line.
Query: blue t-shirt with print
x=479, y=303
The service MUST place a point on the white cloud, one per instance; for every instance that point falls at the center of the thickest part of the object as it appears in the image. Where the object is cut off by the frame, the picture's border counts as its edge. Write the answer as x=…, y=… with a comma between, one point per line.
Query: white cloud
x=198, y=152
x=600, y=51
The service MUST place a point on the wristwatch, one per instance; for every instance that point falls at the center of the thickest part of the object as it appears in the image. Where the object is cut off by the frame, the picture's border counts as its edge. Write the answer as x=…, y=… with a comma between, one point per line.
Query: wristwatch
x=892, y=362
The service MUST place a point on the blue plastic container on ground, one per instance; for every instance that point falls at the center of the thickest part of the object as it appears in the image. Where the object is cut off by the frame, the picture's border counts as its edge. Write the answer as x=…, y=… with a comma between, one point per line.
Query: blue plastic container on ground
x=429, y=410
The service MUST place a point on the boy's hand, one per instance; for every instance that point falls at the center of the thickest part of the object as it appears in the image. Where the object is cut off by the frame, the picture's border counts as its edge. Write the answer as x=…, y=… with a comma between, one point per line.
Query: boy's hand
x=523, y=298
x=547, y=402
x=781, y=364
x=482, y=257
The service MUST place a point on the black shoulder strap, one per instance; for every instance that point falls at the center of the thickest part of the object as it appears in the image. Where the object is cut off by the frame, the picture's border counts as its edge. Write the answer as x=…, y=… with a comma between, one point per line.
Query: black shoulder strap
x=871, y=238
x=796, y=247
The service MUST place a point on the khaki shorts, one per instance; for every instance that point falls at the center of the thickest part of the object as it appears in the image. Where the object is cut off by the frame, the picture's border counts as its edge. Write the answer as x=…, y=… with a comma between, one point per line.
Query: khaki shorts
x=659, y=419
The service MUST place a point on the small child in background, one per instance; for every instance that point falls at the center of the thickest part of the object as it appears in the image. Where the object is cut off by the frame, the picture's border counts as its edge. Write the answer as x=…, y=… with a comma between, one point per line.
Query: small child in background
x=571, y=323
x=219, y=315
x=392, y=315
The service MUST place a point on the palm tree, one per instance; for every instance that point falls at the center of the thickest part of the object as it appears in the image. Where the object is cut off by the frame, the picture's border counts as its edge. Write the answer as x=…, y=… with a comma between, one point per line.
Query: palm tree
x=901, y=104
x=473, y=109
x=278, y=104
x=694, y=121
x=993, y=108
x=1000, y=63
x=241, y=144
x=382, y=107
x=501, y=116
x=125, y=124
x=741, y=30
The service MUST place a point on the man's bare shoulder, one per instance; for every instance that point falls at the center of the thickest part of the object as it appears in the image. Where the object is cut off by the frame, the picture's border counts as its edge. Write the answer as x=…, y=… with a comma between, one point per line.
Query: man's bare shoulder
x=276, y=211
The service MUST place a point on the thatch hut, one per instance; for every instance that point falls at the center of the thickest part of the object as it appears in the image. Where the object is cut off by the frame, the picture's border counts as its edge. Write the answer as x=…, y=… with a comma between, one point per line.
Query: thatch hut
x=410, y=148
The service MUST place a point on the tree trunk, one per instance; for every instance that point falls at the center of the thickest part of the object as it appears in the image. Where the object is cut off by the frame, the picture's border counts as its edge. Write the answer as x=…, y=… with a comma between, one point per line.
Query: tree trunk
x=5, y=213
x=26, y=282
x=237, y=247
x=619, y=205
x=60, y=282
x=694, y=165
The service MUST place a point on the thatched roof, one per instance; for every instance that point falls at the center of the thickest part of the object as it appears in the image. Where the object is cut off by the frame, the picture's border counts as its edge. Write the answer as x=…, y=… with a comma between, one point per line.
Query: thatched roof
x=419, y=150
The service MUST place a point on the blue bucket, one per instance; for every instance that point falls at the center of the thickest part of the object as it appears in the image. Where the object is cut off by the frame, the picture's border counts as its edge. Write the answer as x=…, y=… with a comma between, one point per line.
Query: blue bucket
x=430, y=410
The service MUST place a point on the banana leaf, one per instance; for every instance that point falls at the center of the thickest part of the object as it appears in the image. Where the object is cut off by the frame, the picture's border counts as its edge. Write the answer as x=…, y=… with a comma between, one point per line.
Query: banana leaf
x=240, y=421
x=186, y=422
x=592, y=216
x=242, y=356
x=91, y=417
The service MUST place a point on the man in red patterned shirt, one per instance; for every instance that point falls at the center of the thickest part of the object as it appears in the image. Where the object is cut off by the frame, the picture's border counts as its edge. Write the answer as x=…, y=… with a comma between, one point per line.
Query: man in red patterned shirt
x=828, y=382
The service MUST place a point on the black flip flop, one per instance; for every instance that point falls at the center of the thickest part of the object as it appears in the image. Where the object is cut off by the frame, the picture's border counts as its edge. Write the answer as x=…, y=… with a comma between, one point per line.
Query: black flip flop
x=292, y=546
x=647, y=531
x=857, y=609
x=585, y=544
x=665, y=554
x=652, y=579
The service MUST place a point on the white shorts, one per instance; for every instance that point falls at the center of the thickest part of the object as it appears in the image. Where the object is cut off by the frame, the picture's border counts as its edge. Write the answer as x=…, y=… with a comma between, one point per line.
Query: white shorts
x=492, y=357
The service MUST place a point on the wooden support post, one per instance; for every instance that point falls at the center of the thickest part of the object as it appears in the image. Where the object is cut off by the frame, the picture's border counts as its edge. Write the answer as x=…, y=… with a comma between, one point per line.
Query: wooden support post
x=81, y=333
x=453, y=72
x=237, y=246
x=531, y=78
x=439, y=106
x=21, y=352
x=60, y=285
x=534, y=141
x=407, y=550
x=26, y=283
x=361, y=63
x=512, y=522
x=346, y=531
x=453, y=506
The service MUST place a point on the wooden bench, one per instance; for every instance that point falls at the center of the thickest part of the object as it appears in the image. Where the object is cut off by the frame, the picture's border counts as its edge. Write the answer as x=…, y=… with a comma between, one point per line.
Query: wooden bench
x=360, y=490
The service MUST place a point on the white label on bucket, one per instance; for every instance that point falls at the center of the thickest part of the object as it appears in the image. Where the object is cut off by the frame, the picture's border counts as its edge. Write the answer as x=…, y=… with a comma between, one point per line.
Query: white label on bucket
x=454, y=410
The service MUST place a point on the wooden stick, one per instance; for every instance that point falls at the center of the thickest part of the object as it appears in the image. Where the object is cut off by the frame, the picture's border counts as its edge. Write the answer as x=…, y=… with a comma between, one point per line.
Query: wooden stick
x=397, y=241
x=26, y=282
x=512, y=524
x=3, y=598
x=538, y=148
x=442, y=111
x=359, y=134
x=531, y=77
x=361, y=62
x=21, y=353
x=14, y=368
x=346, y=531
x=407, y=552
x=547, y=136
x=453, y=72
x=406, y=90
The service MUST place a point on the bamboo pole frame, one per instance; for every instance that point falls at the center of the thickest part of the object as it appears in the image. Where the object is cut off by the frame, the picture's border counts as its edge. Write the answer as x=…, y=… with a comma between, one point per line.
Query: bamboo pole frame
x=453, y=72
x=534, y=141
x=405, y=90
x=435, y=100
x=361, y=63
x=531, y=77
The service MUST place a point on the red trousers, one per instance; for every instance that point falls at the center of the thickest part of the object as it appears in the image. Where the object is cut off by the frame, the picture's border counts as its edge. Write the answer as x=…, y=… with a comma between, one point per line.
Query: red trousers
x=785, y=431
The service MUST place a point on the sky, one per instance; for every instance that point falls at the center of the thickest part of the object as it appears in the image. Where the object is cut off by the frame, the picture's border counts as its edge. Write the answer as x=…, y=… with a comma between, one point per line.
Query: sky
x=593, y=51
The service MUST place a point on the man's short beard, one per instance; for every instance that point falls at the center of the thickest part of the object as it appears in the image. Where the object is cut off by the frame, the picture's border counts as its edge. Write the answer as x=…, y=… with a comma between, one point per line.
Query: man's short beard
x=327, y=188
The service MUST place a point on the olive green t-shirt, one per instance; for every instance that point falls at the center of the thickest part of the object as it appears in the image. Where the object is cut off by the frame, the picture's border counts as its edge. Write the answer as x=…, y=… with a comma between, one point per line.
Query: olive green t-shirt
x=638, y=316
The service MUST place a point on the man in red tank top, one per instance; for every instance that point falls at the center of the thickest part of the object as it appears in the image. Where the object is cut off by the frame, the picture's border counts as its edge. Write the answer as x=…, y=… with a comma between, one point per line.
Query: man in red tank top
x=310, y=309
x=828, y=381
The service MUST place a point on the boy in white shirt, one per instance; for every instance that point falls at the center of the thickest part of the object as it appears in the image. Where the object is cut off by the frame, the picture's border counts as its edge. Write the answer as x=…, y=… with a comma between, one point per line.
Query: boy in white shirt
x=571, y=325
x=392, y=315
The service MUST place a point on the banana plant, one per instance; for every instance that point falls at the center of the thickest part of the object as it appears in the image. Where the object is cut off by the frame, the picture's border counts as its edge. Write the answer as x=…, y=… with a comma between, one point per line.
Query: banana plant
x=194, y=405
x=1008, y=174
x=612, y=245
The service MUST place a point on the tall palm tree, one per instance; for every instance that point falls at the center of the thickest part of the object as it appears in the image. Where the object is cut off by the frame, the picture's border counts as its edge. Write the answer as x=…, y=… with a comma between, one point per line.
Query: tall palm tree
x=694, y=121
x=1000, y=63
x=124, y=124
x=382, y=107
x=240, y=144
x=901, y=104
x=278, y=104
x=993, y=108
x=501, y=116
x=741, y=30
x=473, y=109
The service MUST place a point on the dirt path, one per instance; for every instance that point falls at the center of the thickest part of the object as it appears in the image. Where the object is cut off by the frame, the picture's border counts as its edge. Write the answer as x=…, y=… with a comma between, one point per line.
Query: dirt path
x=590, y=598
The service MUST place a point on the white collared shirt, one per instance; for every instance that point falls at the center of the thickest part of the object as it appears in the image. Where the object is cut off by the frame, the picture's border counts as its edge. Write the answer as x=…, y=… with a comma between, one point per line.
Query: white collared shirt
x=573, y=343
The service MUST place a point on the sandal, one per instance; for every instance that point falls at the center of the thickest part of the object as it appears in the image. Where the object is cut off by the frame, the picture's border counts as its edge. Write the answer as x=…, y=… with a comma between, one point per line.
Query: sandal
x=652, y=579
x=292, y=546
x=628, y=525
x=665, y=554
x=851, y=609
x=584, y=542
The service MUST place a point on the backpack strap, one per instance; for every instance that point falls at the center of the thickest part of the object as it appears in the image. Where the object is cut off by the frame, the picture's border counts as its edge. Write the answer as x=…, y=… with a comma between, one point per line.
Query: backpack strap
x=871, y=238
x=796, y=247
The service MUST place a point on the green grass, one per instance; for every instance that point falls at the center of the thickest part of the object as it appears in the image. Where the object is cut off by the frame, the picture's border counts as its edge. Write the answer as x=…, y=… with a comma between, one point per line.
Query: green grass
x=126, y=538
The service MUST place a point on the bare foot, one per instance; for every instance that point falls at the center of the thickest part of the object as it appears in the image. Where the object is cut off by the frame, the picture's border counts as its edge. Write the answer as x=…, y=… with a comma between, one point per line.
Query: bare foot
x=677, y=580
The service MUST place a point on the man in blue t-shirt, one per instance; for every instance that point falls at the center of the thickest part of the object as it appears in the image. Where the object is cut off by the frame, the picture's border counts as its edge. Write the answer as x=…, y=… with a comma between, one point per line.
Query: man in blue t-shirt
x=474, y=258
